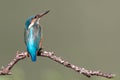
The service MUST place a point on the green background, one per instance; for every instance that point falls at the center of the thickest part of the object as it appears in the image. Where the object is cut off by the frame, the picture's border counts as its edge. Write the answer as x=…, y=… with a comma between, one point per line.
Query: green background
x=84, y=32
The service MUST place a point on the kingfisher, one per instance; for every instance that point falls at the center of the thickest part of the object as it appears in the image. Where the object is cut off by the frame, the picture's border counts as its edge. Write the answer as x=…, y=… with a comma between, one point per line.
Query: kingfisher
x=33, y=35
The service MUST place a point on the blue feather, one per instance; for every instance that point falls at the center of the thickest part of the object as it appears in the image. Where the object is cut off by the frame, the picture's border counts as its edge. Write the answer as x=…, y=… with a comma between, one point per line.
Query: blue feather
x=32, y=38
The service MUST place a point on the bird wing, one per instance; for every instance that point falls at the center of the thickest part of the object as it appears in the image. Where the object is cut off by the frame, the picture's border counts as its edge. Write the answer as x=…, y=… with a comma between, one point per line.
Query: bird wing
x=37, y=34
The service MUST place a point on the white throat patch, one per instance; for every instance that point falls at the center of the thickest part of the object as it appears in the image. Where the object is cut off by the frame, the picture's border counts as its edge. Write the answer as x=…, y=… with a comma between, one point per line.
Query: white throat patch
x=30, y=25
x=38, y=21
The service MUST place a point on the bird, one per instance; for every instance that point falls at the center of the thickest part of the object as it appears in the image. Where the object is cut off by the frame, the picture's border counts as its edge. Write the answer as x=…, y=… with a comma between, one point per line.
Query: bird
x=33, y=35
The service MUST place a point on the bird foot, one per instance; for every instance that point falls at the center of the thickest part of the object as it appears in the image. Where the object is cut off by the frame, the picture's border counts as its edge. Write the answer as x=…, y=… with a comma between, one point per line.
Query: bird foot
x=40, y=51
x=28, y=55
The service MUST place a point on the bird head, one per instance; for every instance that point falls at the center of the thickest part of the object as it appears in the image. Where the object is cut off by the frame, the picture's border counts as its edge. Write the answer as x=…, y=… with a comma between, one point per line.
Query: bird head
x=34, y=19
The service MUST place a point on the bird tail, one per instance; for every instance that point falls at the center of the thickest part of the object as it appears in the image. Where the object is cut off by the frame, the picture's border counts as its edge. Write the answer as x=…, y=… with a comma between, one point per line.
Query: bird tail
x=33, y=57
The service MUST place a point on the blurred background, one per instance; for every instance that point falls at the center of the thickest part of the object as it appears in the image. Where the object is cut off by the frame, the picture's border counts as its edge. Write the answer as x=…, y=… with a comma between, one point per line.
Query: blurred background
x=84, y=32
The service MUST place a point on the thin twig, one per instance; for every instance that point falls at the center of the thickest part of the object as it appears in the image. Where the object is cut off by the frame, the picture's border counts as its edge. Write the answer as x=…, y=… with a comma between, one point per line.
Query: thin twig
x=23, y=55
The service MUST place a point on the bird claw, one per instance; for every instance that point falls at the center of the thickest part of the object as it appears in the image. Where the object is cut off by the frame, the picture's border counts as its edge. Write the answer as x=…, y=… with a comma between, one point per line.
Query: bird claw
x=40, y=51
x=27, y=55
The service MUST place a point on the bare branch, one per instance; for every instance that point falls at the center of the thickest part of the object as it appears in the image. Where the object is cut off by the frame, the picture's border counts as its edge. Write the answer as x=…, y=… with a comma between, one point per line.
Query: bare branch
x=23, y=55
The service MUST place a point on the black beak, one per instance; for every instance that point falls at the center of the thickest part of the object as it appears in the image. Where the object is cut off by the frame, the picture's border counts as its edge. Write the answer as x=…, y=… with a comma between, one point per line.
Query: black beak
x=41, y=14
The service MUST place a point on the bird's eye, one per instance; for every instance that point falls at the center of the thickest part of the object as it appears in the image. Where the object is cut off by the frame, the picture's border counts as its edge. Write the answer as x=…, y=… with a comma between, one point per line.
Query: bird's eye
x=35, y=17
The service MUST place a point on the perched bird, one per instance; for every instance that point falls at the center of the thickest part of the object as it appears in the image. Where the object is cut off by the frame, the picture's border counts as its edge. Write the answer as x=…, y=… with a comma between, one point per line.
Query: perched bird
x=33, y=35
